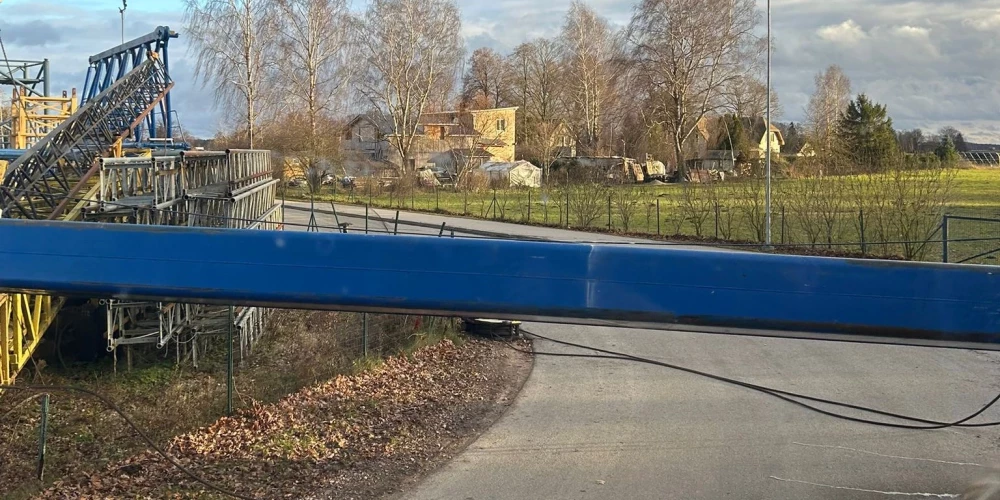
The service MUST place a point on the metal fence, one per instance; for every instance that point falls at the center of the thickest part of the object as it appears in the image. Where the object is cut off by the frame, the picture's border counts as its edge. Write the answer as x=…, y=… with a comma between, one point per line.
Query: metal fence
x=970, y=240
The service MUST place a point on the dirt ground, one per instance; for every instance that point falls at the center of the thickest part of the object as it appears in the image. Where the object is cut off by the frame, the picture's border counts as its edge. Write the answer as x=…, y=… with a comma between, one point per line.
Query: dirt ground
x=366, y=435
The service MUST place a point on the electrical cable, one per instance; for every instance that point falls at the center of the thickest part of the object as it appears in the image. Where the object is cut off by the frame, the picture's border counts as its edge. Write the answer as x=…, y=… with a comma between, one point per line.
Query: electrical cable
x=778, y=393
x=110, y=404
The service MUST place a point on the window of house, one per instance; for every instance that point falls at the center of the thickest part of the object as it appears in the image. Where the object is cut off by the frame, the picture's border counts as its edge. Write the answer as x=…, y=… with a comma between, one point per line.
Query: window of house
x=442, y=133
x=501, y=125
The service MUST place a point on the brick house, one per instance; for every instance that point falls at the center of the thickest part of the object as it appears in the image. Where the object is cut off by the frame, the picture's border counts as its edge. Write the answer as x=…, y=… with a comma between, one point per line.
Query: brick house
x=444, y=140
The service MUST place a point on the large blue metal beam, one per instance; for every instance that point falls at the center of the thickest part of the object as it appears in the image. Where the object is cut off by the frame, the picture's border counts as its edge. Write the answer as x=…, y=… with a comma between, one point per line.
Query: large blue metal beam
x=732, y=292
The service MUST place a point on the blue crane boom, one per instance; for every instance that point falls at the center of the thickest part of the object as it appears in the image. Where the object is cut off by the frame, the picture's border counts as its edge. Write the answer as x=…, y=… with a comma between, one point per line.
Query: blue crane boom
x=727, y=292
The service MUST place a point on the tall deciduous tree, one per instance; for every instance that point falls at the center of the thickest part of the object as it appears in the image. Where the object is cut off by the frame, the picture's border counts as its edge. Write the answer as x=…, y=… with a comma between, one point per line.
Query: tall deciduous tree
x=830, y=99
x=536, y=75
x=487, y=80
x=910, y=140
x=685, y=54
x=235, y=42
x=589, y=48
x=411, y=50
x=746, y=96
x=865, y=132
x=318, y=60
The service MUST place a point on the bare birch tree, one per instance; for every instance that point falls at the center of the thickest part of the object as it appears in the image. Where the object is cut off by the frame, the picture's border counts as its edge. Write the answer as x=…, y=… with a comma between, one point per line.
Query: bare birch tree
x=746, y=97
x=589, y=48
x=685, y=54
x=537, y=87
x=235, y=42
x=318, y=58
x=832, y=95
x=411, y=49
x=487, y=80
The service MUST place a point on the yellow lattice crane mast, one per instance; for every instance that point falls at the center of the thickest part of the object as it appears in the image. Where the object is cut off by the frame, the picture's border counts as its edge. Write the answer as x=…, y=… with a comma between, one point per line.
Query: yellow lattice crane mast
x=33, y=117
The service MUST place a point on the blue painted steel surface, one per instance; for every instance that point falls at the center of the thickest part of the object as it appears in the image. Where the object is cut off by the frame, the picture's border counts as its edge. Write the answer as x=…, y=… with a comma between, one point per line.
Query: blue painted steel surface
x=505, y=279
x=11, y=154
x=111, y=65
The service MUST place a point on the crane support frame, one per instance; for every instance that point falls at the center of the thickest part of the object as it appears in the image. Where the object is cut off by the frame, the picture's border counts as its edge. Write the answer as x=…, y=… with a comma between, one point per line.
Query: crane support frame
x=113, y=64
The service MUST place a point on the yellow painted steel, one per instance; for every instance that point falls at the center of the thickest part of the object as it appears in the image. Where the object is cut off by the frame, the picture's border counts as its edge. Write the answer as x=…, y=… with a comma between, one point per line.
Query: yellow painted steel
x=23, y=320
x=33, y=117
x=25, y=317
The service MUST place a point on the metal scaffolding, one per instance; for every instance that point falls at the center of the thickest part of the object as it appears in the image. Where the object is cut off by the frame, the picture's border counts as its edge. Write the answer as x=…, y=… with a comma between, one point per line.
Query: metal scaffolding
x=232, y=189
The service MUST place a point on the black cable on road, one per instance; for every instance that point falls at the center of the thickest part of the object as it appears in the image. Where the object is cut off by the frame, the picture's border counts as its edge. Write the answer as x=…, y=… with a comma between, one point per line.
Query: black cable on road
x=110, y=404
x=778, y=393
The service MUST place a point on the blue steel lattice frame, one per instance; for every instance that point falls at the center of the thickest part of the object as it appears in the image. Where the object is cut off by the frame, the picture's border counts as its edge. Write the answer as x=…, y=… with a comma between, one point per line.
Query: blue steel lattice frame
x=113, y=64
x=724, y=292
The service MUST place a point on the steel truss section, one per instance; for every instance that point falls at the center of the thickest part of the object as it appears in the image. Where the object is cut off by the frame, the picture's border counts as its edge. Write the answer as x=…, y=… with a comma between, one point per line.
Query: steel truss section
x=38, y=184
x=201, y=189
x=150, y=190
x=23, y=320
x=250, y=323
x=113, y=64
x=27, y=75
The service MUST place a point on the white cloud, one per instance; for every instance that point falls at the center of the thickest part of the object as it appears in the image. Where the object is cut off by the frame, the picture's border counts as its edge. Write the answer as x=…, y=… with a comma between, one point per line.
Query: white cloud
x=847, y=32
x=984, y=23
x=930, y=61
x=912, y=31
x=477, y=28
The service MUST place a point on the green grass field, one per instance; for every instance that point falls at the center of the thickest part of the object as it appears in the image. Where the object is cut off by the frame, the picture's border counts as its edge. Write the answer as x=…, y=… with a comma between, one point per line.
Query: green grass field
x=900, y=218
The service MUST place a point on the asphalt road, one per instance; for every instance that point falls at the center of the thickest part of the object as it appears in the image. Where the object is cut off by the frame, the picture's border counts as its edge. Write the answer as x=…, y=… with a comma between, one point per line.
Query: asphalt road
x=600, y=428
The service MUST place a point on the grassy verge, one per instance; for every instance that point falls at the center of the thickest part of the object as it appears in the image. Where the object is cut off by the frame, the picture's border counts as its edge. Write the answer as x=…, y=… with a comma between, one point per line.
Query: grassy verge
x=845, y=215
x=165, y=399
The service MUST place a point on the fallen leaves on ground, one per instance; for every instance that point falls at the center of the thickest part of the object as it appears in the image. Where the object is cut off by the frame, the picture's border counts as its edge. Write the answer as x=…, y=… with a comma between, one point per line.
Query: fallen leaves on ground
x=353, y=435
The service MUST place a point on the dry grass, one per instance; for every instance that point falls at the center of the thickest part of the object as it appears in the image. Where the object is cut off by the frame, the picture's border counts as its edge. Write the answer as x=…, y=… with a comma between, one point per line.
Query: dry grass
x=303, y=348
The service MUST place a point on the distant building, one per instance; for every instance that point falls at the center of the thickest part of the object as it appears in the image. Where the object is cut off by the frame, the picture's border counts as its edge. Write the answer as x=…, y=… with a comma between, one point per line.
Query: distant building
x=715, y=155
x=444, y=140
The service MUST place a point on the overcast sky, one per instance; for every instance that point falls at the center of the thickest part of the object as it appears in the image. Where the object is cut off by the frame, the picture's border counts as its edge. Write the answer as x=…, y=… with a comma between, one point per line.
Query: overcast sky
x=934, y=63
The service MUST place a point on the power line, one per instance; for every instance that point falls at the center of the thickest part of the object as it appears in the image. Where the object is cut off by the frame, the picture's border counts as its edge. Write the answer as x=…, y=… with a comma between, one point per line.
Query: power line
x=778, y=393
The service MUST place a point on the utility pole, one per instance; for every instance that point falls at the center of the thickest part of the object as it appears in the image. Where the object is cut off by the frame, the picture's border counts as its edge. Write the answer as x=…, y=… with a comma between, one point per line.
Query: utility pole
x=121, y=12
x=767, y=135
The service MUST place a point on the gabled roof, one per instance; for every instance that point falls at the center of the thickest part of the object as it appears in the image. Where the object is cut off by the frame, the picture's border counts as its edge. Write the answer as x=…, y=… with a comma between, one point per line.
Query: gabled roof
x=382, y=124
